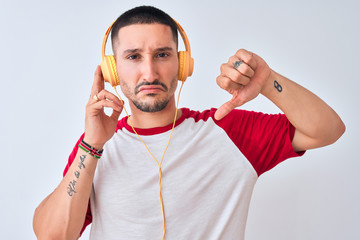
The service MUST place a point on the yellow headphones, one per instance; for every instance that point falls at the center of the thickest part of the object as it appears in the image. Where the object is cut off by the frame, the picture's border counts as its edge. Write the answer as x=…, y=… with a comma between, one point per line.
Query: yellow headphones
x=108, y=64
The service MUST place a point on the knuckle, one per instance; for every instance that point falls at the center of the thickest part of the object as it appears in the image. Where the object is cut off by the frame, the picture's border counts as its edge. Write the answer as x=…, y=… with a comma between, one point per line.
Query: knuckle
x=226, y=84
x=222, y=82
x=249, y=72
x=233, y=59
x=218, y=80
x=222, y=67
x=235, y=76
x=240, y=51
x=245, y=69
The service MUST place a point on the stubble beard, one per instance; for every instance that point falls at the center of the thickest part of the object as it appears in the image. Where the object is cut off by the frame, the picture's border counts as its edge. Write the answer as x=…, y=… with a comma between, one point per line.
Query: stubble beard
x=158, y=104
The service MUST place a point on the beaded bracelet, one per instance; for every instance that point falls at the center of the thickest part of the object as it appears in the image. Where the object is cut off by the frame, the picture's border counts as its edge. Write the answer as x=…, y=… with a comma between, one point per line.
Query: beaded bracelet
x=89, y=149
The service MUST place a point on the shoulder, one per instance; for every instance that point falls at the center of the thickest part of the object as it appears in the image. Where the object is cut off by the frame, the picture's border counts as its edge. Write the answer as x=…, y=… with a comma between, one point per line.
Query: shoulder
x=121, y=124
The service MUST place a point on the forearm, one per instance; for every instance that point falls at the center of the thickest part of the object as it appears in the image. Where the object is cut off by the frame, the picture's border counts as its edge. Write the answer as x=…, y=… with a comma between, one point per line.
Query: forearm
x=316, y=123
x=61, y=215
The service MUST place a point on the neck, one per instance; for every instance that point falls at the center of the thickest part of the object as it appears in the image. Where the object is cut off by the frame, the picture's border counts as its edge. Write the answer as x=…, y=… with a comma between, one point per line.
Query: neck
x=140, y=119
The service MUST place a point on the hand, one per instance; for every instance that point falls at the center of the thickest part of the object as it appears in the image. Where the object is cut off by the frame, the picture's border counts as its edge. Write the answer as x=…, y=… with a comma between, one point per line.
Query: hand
x=99, y=127
x=243, y=76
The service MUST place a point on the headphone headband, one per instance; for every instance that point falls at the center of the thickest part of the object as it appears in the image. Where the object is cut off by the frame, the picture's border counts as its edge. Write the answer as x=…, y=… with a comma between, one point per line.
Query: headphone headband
x=179, y=27
x=108, y=64
x=105, y=40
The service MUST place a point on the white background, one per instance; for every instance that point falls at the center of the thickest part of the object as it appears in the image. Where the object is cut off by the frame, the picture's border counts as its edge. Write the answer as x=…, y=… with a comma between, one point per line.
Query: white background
x=50, y=49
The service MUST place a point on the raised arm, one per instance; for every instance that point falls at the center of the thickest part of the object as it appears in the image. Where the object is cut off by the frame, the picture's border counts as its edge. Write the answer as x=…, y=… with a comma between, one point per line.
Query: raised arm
x=246, y=75
x=61, y=215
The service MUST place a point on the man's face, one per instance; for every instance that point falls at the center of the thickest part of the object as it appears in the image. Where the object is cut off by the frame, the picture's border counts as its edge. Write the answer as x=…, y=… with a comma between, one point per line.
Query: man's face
x=147, y=65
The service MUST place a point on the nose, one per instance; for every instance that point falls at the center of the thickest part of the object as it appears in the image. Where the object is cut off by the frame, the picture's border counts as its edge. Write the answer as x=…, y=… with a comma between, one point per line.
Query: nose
x=149, y=70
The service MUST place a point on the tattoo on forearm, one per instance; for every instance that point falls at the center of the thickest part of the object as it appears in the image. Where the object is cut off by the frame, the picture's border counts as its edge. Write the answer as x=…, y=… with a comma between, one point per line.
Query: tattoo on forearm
x=71, y=188
x=72, y=184
x=81, y=163
x=277, y=86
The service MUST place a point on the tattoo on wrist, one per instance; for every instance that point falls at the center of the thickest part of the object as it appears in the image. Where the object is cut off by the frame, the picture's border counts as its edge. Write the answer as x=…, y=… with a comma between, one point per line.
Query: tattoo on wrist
x=72, y=184
x=277, y=86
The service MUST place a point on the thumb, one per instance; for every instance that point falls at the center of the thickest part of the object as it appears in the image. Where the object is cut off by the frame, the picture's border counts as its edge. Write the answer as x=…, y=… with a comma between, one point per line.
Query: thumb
x=225, y=109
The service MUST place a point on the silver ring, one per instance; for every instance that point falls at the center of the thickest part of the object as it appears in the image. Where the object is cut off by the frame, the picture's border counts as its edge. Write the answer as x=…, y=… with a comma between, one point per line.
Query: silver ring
x=95, y=97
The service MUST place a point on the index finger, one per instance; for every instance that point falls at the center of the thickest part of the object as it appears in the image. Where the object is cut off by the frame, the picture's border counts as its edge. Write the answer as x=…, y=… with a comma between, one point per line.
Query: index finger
x=98, y=83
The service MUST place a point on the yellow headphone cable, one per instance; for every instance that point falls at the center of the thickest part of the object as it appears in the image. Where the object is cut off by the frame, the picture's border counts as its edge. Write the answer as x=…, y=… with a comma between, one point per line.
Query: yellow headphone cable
x=162, y=158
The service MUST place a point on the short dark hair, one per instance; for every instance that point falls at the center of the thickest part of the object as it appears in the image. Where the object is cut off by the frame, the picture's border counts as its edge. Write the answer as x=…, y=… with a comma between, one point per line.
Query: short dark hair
x=143, y=15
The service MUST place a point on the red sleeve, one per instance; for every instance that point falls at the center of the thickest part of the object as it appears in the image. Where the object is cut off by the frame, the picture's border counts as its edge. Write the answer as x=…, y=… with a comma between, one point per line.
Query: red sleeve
x=88, y=218
x=264, y=139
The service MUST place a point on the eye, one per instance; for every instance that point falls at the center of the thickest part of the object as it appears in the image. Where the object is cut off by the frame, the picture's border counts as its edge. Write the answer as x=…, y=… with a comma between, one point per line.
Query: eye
x=133, y=57
x=162, y=55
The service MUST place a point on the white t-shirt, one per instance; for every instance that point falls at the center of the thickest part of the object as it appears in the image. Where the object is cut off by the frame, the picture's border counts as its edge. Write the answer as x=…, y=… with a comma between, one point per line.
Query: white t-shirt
x=208, y=175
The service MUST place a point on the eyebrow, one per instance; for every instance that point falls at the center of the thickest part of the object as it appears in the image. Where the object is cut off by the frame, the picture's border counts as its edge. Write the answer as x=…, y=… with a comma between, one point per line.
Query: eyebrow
x=128, y=51
x=164, y=49
x=135, y=50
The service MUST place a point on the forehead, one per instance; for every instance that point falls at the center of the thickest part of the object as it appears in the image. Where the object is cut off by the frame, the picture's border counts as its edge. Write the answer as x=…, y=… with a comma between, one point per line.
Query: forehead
x=145, y=35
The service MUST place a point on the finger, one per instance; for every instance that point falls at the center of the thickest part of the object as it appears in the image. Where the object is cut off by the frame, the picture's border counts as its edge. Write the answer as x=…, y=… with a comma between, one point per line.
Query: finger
x=247, y=57
x=98, y=83
x=241, y=66
x=225, y=109
x=228, y=70
x=100, y=105
x=106, y=95
x=116, y=114
x=227, y=84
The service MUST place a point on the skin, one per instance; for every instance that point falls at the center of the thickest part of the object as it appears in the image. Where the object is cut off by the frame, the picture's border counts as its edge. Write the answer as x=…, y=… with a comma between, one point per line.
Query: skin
x=147, y=56
x=316, y=124
x=147, y=53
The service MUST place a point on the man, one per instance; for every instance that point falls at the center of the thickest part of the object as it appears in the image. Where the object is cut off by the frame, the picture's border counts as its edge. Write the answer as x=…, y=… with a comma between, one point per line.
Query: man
x=213, y=159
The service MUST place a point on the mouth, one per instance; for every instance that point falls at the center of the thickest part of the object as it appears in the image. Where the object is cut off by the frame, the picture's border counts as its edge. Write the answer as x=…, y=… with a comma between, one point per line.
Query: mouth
x=151, y=88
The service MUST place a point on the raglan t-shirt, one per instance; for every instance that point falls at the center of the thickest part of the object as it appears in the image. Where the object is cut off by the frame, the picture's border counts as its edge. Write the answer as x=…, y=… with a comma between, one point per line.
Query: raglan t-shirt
x=208, y=175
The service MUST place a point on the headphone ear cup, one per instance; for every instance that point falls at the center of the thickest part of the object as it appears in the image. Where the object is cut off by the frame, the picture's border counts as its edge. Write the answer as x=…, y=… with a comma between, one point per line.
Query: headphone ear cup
x=186, y=65
x=108, y=68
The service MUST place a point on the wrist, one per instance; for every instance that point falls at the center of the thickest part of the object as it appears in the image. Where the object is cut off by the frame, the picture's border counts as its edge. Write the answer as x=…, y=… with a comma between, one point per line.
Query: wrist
x=268, y=87
x=97, y=153
x=93, y=143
